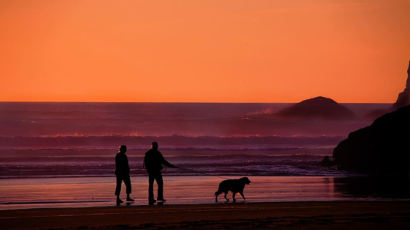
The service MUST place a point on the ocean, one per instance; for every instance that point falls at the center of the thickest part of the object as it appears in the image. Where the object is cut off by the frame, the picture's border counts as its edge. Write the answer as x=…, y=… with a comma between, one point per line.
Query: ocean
x=48, y=143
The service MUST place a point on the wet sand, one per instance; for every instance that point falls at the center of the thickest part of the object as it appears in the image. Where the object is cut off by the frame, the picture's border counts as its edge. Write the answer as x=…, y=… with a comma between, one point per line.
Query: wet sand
x=99, y=191
x=280, y=215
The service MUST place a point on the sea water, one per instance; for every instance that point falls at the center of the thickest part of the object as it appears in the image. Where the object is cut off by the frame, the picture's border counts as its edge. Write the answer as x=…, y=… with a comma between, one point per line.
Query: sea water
x=48, y=149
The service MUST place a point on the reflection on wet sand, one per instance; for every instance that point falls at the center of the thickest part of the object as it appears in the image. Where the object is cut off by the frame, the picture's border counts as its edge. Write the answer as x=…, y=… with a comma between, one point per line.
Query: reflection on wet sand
x=373, y=187
x=99, y=191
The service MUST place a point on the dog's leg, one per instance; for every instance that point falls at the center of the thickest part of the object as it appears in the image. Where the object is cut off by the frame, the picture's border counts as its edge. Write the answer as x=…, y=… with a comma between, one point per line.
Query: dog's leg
x=216, y=196
x=242, y=195
x=233, y=197
x=227, y=200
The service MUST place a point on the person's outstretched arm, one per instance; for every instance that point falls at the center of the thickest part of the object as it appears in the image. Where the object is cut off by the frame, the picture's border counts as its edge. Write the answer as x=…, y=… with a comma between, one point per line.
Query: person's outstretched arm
x=166, y=163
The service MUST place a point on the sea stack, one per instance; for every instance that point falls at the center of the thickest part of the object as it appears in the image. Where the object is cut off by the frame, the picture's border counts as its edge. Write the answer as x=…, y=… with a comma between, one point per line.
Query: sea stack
x=317, y=108
x=381, y=149
x=404, y=97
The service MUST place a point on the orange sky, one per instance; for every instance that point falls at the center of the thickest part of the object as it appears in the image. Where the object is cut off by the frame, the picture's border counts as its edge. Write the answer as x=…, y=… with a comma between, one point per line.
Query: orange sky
x=203, y=50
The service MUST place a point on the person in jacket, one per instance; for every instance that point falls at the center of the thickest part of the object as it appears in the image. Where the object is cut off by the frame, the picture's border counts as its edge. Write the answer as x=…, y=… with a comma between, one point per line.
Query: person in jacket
x=122, y=172
x=153, y=162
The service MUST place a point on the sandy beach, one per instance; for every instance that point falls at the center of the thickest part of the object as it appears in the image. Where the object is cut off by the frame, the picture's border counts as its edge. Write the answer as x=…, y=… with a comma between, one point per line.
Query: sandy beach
x=99, y=191
x=281, y=215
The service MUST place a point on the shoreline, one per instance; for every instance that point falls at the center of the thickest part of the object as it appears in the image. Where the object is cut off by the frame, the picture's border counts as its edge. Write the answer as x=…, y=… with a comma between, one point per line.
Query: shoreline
x=183, y=190
x=352, y=214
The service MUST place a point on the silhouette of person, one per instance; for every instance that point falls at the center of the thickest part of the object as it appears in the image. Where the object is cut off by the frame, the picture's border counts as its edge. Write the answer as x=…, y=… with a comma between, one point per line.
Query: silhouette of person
x=122, y=172
x=153, y=162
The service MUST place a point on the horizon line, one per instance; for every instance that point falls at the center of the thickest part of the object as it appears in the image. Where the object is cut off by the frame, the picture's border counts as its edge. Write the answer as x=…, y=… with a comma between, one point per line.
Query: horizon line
x=184, y=102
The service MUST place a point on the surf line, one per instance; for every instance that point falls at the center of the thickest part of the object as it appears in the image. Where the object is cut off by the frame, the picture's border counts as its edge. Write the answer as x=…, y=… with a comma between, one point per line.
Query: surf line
x=201, y=172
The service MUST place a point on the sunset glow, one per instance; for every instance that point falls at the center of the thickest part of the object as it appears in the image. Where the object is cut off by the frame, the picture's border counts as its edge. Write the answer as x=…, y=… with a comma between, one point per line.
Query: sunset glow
x=203, y=51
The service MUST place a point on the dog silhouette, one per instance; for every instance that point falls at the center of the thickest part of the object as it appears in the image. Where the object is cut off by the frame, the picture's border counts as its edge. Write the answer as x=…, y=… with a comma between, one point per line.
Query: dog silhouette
x=234, y=185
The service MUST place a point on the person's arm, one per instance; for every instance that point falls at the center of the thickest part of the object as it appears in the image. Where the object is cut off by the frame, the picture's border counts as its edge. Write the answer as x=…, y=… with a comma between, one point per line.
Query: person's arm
x=166, y=163
x=126, y=165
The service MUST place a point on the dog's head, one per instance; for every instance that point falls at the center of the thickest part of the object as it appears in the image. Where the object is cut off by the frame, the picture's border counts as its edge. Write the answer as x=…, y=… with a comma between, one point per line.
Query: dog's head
x=245, y=180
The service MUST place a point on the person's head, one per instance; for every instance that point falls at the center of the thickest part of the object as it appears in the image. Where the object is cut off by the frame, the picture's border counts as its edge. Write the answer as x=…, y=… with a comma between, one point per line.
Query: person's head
x=154, y=145
x=123, y=148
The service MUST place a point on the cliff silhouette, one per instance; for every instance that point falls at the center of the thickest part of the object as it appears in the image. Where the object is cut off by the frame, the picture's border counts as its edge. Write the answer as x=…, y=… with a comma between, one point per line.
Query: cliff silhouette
x=404, y=97
x=317, y=108
x=382, y=148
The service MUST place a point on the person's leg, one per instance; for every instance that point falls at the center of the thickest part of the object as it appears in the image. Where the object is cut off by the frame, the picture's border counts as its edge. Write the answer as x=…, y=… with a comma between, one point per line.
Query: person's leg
x=151, y=189
x=118, y=189
x=160, y=183
x=127, y=182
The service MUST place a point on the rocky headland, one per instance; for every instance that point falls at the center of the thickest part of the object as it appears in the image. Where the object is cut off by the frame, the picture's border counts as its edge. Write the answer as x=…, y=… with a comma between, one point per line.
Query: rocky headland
x=382, y=148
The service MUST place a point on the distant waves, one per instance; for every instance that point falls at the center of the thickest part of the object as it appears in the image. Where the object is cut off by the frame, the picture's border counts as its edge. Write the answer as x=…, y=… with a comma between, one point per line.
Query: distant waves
x=192, y=162
x=167, y=142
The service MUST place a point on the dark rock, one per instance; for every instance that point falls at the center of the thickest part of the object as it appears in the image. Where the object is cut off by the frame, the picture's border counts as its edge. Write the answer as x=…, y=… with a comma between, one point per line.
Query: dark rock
x=327, y=162
x=380, y=149
x=318, y=107
x=404, y=97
